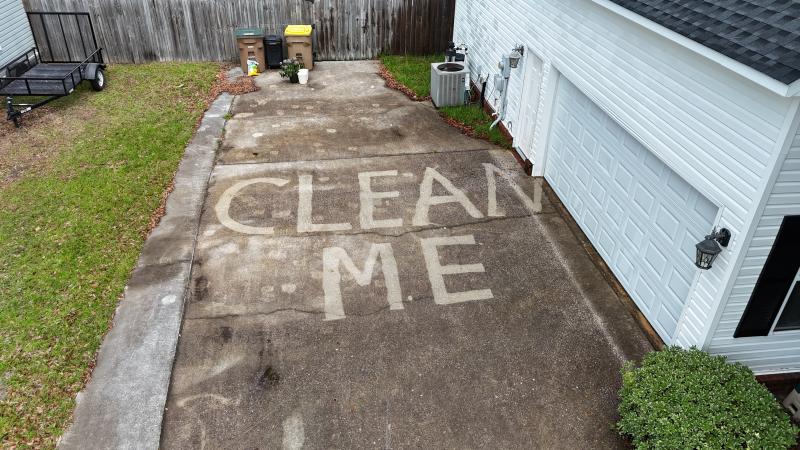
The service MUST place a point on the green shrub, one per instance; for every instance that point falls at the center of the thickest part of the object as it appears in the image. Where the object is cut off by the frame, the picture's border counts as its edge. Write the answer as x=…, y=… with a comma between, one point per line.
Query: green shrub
x=688, y=399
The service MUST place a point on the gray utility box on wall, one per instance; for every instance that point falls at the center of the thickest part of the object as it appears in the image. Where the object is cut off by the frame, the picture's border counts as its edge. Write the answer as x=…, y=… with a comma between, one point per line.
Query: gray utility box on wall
x=448, y=81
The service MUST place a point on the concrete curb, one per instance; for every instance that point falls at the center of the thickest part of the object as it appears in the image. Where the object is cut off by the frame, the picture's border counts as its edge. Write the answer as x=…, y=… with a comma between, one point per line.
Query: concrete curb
x=123, y=405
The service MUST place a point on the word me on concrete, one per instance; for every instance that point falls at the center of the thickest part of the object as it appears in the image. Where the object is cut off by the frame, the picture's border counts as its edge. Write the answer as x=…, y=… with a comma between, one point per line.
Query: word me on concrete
x=334, y=257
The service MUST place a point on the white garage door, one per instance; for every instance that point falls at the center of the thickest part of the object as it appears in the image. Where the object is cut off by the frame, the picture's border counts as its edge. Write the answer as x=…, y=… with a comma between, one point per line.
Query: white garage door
x=641, y=216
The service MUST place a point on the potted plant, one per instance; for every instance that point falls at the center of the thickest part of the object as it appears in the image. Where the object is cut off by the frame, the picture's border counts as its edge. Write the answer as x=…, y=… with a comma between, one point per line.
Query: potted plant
x=289, y=69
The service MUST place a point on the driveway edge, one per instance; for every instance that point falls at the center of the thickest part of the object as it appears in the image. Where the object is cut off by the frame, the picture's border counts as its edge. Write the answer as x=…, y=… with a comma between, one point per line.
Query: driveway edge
x=122, y=406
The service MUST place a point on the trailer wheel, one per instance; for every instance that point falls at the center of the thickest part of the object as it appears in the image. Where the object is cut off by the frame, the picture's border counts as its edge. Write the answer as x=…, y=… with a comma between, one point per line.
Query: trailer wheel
x=99, y=81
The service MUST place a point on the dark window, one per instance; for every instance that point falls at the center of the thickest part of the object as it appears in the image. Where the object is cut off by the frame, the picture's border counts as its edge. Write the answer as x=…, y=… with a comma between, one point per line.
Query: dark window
x=776, y=280
x=790, y=317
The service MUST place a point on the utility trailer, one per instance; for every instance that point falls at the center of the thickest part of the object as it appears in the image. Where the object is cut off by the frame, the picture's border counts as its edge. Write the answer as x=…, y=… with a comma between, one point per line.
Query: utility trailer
x=65, y=54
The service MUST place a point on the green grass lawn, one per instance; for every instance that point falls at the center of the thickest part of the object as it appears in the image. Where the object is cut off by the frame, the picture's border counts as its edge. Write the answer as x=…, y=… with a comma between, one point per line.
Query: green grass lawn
x=475, y=118
x=72, y=226
x=412, y=71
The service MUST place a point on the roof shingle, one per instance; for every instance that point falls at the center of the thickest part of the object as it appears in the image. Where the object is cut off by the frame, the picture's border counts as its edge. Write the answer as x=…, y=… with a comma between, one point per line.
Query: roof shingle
x=762, y=34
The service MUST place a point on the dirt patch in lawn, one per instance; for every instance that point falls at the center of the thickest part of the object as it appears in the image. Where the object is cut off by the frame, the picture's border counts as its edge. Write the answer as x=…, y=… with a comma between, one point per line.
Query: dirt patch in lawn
x=27, y=150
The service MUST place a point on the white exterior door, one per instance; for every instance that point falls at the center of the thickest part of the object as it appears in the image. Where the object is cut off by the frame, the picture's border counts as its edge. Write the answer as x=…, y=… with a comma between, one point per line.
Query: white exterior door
x=529, y=104
x=641, y=216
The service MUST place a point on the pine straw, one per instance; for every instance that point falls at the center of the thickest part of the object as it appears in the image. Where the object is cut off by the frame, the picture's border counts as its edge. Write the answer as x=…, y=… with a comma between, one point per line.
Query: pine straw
x=392, y=83
x=234, y=86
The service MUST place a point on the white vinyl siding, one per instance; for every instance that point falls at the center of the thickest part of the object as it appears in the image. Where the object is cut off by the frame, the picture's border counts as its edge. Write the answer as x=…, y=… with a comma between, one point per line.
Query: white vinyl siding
x=15, y=32
x=780, y=351
x=714, y=128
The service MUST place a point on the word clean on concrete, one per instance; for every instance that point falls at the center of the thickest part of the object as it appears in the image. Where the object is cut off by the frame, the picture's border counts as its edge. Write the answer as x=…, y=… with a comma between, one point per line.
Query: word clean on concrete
x=336, y=258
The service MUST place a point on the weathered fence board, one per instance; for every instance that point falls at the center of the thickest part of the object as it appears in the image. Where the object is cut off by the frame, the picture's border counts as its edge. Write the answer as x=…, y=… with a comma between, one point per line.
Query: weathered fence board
x=195, y=30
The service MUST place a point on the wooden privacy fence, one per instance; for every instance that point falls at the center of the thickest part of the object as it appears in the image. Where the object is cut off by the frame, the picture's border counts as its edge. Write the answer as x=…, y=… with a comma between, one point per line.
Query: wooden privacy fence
x=202, y=30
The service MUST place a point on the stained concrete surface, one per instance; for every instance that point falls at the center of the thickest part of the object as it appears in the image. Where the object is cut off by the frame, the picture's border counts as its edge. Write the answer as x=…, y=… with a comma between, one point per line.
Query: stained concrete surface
x=289, y=341
x=346, y=112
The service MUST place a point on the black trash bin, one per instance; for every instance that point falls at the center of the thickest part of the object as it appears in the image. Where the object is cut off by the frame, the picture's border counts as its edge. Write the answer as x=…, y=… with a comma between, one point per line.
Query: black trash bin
x=274, y=49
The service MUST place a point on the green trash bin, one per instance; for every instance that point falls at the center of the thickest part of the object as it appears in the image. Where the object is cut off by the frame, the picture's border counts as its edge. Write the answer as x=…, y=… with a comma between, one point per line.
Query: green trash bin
x=250, y=42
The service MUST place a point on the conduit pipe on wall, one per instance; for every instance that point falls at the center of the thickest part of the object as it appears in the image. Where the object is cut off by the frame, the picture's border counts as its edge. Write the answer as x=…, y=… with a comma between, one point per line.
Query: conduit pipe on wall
x=505, y=65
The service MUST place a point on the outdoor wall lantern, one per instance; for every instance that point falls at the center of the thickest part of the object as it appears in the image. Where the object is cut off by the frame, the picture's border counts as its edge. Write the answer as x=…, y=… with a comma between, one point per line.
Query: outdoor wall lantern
x=515, y=55
x=709, y=249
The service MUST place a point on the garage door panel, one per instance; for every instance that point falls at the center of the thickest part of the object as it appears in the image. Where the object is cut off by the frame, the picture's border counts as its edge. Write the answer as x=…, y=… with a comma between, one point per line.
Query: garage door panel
x=644, y=199
x=605, y=160
x=575, y=129
x=623, y=178
x=644, y=293
x=633, y=234
x=624, y=269
x=656, y=259
x=607, y=244
x=613, y=129
x=666, y=320
x=688, y=242
x=589, y=143
x=630, y=146
x=598, y=192
x=654, y=169
x=706, y=209
x=679, y=188
x=674, y=309
x=558, y=131
x=583, y=173
x=569, y=157
x=643, y=218
x=597, y=121
x=563, y=184
x=677, y=285
x=590, y=221
x=667, y=223
x=576, y=199
x=692, y=222
x=613, y=210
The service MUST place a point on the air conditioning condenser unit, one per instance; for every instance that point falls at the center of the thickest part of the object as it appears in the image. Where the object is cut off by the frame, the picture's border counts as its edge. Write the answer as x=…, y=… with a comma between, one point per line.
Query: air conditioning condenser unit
x=448, y=81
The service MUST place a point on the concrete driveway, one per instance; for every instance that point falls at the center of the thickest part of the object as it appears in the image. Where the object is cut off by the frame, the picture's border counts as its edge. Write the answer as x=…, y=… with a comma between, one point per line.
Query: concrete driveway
x=365, y=276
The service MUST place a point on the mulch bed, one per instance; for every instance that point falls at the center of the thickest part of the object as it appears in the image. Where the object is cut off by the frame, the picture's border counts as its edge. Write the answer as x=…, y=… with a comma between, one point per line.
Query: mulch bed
x=234, y=86
x=464, y=129
x=392, y=83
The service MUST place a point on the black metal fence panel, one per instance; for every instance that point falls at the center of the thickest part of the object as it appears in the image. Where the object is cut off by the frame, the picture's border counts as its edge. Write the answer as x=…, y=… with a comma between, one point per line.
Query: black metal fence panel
x=62, y=37
x=202, y=30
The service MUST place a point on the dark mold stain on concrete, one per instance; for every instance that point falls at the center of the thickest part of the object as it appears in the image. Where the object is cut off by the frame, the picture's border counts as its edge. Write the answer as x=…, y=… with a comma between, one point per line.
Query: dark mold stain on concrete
x=226, y=333
x=270, y=378
x=200, y=289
